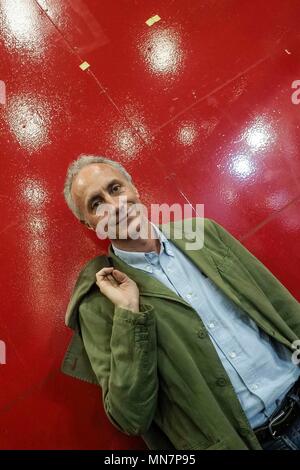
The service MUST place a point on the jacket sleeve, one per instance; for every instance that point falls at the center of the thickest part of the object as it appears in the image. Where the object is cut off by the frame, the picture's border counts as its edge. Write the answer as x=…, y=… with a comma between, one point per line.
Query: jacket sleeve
x=282, y=300
x=123, y=354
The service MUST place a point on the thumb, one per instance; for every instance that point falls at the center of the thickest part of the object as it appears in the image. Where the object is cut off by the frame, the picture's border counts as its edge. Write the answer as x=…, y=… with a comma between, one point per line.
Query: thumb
x=119, y=276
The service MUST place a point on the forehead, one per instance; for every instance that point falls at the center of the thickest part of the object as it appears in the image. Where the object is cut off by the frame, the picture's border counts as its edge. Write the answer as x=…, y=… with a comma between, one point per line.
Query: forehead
x=94, y=175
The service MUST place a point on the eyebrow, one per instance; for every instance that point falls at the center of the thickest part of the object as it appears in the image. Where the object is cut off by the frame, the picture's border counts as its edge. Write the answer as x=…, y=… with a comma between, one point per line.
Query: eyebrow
x=96, y=195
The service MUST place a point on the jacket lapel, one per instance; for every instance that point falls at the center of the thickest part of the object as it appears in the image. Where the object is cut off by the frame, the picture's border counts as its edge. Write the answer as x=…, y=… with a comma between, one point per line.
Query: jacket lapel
x=202, y=258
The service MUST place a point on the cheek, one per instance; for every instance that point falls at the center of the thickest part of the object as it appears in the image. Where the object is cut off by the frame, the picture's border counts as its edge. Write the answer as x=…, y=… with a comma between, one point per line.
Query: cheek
x=90, y=218
x=95, y=219
x=132, y=198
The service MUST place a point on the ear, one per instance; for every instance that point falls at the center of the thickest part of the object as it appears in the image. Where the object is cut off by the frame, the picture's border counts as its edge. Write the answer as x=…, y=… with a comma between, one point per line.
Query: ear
x=136, y=191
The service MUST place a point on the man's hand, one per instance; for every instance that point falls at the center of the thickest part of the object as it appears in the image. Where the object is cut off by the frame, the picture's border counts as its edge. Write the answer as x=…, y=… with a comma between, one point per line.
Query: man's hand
x=119, y=288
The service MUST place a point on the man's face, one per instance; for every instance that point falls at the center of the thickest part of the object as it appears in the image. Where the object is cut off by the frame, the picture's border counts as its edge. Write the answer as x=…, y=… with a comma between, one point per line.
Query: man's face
x=98, y=184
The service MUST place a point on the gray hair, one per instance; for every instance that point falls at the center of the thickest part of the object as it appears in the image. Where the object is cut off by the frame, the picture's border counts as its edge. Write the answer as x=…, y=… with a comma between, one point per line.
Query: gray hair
x=73, y=170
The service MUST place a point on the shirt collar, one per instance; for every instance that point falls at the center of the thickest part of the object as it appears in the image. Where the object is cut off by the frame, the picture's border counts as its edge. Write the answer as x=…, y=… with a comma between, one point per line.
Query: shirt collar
x=144, y=260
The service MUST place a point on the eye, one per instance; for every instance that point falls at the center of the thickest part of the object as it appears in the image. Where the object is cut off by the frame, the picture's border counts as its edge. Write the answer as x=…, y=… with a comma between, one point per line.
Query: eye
x=116, y=188
x=95, y=204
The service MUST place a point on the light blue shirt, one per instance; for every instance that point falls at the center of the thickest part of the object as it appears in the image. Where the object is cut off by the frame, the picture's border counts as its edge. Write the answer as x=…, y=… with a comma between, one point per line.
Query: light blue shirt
x=260, y=369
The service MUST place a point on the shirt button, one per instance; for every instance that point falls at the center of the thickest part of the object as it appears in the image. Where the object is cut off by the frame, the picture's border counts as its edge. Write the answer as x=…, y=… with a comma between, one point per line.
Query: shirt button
x=189, y=295
x=221, y=381
x=255, y=386
x=202, y=334
x=232, y=354
x=211, y=325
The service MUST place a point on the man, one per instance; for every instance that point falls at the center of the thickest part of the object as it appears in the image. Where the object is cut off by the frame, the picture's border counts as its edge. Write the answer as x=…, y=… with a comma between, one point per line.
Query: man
x=192, y=349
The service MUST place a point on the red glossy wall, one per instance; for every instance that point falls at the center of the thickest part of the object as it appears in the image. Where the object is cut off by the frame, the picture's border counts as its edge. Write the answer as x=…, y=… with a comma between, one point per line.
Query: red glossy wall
x=199, y=109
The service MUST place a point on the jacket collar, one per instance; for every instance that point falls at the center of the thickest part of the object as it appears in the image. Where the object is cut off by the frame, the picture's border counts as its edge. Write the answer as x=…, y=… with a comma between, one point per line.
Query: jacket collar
x=180, y=233
x=142, y=260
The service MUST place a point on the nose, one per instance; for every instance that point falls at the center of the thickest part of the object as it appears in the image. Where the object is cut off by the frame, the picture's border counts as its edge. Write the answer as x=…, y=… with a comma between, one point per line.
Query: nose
x=118, y=205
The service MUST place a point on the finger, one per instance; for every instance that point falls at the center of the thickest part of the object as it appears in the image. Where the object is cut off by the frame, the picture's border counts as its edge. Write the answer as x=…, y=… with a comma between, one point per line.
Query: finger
x=103, y=280
x=112, y=280
x=100, y=275
x=106, y=278
x=105, y=270
x=119, y=276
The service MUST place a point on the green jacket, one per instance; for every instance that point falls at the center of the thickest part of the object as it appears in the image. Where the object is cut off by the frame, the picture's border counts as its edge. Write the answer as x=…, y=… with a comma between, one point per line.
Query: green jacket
x=160, y=375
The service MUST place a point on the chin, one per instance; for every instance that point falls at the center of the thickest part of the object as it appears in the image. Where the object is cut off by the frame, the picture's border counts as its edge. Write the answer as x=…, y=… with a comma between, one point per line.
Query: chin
x=132, y=227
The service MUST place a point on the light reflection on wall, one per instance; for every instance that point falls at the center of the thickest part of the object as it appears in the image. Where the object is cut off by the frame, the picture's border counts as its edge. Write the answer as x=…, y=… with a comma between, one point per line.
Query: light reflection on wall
x=260, y=135
x=36, y=244
x=125, y=140
x=277, y=200
x=187, y=133
x=37, y=228
x=29, y=120
x=34, y=193
x=137, y=120
x=230, y=196
x=20, y=27
x=242, y=166
x=162, y=51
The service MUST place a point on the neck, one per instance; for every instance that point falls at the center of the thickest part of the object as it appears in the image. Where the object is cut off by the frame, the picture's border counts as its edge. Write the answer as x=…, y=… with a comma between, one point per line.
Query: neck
x=151, y=243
